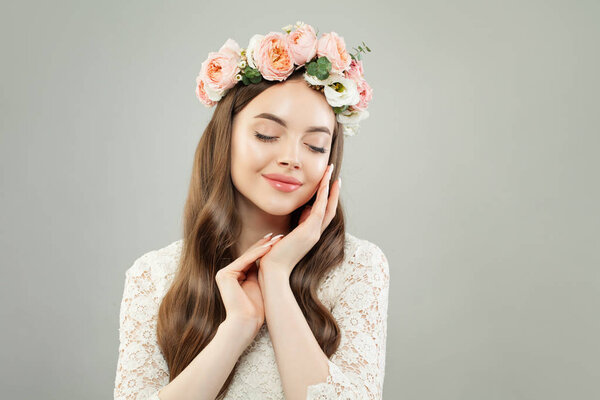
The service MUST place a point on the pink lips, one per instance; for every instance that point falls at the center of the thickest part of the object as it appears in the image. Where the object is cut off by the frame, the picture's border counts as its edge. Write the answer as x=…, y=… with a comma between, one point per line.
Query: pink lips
x=282, y=186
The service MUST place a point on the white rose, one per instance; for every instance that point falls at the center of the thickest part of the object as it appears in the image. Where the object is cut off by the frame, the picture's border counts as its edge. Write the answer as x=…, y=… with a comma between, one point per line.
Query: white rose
x=254, y=42
x=346, y=95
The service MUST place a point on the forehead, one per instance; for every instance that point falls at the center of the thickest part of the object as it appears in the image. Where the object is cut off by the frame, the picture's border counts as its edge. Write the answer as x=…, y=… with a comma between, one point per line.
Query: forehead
x=294, y=102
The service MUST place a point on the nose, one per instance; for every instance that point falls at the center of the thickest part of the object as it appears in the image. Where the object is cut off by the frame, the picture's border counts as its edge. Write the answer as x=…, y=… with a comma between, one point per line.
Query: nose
x=289, y=162
x=290, y=157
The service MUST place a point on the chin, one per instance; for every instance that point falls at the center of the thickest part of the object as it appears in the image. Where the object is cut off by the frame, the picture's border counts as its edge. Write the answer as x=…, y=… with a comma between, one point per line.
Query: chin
x=278, y=207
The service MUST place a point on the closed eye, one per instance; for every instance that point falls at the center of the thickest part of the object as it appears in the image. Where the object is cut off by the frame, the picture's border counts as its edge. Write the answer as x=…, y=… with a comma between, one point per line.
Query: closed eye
x=273, y=138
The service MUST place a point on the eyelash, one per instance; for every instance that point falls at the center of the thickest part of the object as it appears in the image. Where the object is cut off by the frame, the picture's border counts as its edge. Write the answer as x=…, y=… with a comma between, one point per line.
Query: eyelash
x=271, y=138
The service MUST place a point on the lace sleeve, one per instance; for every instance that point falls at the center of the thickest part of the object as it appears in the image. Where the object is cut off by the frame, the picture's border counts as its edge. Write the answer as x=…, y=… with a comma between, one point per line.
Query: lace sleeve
x=356, y=369
x=141, y=368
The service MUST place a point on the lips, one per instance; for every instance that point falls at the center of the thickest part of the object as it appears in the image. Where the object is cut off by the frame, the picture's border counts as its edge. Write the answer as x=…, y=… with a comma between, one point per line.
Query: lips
x=283, y=178
x=282, y=186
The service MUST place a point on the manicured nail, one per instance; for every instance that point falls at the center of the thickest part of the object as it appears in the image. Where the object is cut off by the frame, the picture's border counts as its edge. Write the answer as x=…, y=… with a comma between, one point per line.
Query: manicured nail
x=267, y=235
x=331, y=171
x=271, y=241
x=340, y=182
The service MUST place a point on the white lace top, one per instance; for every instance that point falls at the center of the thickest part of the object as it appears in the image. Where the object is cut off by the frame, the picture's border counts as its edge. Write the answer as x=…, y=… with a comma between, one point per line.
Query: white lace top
x=356, y=292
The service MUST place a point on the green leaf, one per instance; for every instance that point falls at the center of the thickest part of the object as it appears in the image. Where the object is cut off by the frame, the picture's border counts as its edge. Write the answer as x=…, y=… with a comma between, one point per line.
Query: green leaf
x=323, y=69
x=339, y=110
x=322, y=75
x=323, y=61
x=311, y=69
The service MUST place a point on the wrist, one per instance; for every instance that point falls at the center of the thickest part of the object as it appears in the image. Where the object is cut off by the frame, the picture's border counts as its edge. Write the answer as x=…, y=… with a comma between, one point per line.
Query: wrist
x=243, y=327
x=273, y=275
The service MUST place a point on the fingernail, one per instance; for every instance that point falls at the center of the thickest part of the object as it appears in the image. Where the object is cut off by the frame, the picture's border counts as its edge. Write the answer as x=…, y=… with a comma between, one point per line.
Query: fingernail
x=271, y=241
x=267, y=235
x=331, y=170
x=340, y=182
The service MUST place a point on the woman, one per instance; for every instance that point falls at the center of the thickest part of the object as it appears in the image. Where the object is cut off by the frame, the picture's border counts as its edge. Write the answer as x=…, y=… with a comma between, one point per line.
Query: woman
x=229, y=312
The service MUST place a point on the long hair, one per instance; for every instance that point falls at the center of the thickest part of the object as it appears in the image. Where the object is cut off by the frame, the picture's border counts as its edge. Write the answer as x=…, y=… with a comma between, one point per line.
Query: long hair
x=192, y=309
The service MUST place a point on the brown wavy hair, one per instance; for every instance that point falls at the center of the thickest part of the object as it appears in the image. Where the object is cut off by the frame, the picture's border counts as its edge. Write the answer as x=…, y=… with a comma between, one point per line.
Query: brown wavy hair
x=192, y=309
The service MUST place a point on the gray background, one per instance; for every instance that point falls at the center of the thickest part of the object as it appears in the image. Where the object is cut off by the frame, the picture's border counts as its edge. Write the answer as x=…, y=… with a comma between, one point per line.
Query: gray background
x=477, y=174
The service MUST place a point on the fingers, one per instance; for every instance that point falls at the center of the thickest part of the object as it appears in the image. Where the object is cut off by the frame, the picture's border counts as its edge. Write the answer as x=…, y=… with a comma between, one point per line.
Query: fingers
x=323, y=194
x=242, y=263
x=262, y=240
x=332, y=203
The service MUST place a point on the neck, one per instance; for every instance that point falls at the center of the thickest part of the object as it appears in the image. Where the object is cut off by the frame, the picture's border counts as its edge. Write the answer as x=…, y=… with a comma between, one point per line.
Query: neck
x=256, y=223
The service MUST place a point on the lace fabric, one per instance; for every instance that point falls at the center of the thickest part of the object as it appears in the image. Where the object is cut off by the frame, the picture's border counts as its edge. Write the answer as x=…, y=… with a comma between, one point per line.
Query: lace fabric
x=356, y=292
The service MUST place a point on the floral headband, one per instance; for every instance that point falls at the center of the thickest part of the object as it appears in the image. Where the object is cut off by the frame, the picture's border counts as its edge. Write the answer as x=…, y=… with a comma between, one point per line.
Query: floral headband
x=275, y=56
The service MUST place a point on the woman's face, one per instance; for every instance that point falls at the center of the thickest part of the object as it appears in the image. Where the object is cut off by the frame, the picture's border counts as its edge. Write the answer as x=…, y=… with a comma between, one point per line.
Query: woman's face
x=291, y=147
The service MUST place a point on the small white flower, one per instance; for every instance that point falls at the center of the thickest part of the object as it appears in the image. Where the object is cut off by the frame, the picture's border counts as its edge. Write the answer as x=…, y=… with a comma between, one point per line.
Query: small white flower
x=341, y=91
x=238, y=77
x=254, y=42
x=352, y=116
x=350, y=120
x=287, y=28
x=350, y=129
x=242, y=64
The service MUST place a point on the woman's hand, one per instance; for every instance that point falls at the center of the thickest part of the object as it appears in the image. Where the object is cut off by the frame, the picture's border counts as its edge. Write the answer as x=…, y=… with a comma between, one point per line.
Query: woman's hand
x=238, y=285
x=283, y=257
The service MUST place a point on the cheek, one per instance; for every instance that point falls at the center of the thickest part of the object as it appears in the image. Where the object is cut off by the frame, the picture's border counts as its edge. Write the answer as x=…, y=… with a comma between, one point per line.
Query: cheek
x=251, y=152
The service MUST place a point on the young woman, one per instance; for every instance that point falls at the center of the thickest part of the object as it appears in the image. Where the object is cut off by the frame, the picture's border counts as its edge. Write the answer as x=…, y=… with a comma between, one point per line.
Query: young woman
x=229, y=312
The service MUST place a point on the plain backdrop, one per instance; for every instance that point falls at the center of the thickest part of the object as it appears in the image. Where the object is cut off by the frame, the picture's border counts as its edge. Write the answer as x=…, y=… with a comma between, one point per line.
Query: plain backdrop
x=476, y=173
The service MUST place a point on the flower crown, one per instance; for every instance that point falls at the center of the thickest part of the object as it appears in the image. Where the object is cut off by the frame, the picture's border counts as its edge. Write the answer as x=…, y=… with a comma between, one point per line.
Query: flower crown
x=275, y=56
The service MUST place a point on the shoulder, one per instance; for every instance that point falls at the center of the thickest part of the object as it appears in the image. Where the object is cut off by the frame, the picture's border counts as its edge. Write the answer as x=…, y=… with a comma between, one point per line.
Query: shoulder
x=365, y=253
x=157, y=264
x=364, y=261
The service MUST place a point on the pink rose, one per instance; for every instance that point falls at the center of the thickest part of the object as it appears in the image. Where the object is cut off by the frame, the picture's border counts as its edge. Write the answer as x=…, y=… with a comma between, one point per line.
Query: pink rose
x=219, y=70
x=201, y=93
x=356, y=70
x=273, y=58
x=333, y=47
x=366, y=94
x=303, y=44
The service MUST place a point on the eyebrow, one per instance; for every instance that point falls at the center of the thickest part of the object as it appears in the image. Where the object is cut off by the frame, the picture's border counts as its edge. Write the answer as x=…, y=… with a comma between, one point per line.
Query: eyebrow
x=281, y=122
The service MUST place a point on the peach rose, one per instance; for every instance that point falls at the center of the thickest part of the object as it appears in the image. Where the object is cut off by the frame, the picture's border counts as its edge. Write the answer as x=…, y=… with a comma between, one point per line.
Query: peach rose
x=333, y=47
x=201, y=93
x=273, y=57
x=303, y=44
x=219, y=70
